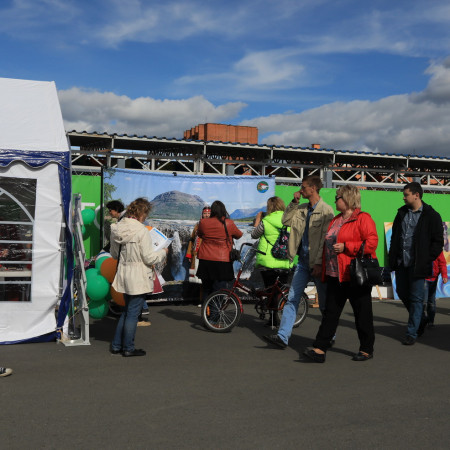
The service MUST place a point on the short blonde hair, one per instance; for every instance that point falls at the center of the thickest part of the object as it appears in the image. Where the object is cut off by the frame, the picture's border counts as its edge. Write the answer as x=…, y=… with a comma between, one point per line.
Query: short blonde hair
x=275, y=204
x=351, y=196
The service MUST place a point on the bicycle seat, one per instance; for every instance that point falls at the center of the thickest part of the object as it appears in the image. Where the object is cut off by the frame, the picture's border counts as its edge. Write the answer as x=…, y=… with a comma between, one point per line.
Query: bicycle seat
x=281, y=271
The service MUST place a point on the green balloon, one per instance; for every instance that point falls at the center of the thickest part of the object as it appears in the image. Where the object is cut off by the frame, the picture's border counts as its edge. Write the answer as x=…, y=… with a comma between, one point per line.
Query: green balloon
x=99, y=261
x=98, y=310
x=88, y=216
x=97, y=288
x=92, y=273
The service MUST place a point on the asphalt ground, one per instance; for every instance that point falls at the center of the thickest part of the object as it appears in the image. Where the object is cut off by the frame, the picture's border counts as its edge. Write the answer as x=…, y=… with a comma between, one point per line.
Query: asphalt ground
x=199, y=390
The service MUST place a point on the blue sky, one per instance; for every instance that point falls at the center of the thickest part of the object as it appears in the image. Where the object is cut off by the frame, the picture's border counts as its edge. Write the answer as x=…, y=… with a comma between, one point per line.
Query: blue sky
x=350, y=74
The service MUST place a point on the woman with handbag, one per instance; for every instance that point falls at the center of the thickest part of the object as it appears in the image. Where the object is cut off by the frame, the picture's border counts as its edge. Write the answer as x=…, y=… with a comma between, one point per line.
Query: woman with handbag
x=217, y=233
x=346, y=234
x=132, y=246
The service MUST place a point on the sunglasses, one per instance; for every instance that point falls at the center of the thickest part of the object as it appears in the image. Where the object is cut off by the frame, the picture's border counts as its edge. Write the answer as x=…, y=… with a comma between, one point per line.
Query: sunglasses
x=337, y=197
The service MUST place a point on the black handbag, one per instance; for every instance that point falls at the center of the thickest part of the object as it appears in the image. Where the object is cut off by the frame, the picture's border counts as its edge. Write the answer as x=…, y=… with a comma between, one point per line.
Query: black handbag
x=365, y=270
x=234, y=253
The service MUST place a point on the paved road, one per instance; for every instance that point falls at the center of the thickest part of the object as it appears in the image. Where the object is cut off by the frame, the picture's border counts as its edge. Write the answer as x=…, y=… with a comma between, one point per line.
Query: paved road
x=200, y=390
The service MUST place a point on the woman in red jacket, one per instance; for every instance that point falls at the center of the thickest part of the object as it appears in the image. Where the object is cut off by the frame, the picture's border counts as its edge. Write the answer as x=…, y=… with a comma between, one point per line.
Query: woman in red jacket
x=347, y=231
x=217, y=233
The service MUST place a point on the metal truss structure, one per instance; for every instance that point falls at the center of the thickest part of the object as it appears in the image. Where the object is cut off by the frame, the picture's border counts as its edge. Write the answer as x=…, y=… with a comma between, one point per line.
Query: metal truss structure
x=91, y=152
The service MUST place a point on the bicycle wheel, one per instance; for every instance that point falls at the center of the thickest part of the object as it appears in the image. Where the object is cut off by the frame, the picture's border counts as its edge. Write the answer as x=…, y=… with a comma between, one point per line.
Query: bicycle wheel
x=302, y=308
x=221, y=311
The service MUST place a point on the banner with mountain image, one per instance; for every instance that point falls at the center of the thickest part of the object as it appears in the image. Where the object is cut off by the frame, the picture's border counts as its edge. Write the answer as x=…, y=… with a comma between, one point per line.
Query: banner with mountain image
x=177, y=203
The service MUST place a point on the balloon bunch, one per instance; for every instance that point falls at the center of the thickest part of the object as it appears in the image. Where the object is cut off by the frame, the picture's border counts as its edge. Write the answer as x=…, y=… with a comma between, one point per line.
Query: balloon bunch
x=99, y=289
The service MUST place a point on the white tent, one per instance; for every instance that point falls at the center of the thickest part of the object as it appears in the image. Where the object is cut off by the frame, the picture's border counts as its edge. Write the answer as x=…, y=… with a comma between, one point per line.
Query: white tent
x=34, y=205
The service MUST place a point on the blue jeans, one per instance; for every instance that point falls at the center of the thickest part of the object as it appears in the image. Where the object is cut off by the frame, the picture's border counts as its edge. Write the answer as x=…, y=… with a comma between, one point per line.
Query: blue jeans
x=430, y=296
x=411, y=291
x=126, y=327
x=302, y=276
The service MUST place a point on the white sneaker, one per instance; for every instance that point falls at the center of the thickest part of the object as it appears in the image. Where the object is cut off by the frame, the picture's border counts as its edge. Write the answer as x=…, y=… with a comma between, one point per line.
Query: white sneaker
x=4, y=371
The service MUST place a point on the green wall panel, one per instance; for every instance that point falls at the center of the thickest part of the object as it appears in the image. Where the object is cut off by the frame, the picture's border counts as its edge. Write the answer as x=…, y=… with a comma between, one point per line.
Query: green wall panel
x=381, y=205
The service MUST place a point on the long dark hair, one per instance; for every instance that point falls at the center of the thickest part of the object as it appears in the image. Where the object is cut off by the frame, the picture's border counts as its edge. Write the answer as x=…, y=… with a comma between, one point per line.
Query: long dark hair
x=218, y=210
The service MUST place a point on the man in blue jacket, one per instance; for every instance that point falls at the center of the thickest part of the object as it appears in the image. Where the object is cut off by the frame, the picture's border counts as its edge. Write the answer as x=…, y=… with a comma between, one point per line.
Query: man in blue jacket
x=417, y=240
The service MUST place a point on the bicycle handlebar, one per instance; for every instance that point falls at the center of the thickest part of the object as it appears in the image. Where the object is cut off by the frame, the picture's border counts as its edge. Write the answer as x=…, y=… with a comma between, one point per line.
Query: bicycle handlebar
x=251, y=245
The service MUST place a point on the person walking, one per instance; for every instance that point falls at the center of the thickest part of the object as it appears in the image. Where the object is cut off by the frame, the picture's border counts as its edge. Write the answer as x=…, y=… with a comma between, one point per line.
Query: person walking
x=132, y=246
x=309, y=223
x=217, y=233
x=346, y=233
x=417, y=240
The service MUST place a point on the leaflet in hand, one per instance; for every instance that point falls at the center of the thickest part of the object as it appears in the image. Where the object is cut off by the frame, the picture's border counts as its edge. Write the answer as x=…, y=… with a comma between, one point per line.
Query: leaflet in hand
x=159, y=240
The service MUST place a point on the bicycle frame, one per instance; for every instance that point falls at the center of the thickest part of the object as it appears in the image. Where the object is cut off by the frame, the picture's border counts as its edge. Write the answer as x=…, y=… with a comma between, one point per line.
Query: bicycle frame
x=222, y=309
x=261, y=294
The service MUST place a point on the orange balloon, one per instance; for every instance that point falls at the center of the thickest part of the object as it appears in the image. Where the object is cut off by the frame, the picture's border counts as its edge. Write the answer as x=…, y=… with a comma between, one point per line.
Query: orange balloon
x=109, y=268
x=117, y=297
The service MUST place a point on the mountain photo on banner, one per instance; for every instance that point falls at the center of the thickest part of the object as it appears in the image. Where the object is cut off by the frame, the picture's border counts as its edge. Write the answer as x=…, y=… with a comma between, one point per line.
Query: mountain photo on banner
x=178, y=200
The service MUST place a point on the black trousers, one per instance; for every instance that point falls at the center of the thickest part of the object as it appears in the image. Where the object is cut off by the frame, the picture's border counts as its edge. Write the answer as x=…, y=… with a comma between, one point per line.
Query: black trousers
x=269, y=276
x=361, y=302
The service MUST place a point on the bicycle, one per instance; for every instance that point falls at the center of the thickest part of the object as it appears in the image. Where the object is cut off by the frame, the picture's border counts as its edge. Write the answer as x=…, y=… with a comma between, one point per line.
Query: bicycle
x=222, y=309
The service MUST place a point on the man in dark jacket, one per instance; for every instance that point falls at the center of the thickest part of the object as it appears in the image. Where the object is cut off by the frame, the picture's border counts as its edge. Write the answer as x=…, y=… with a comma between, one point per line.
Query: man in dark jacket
x=417, y=240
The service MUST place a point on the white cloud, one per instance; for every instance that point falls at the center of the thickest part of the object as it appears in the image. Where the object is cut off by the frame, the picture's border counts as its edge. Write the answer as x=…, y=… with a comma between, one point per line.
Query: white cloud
x=417, y=123
x=85, y=110
x=265, y=70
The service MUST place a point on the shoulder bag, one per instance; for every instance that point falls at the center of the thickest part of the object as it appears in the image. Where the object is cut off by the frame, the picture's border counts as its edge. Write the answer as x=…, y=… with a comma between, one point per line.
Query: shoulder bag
x=365, y=270
x=234, y=253
x=280, y=248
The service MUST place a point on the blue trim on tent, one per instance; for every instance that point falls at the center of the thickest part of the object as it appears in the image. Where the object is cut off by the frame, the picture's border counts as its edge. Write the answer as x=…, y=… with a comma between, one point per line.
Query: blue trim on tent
x=49, y=337
x=65, y=180
x=40, y=159
x=34, y=158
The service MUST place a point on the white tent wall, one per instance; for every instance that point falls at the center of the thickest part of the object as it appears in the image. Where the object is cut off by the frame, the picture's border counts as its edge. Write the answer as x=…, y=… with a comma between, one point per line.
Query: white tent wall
x=25, y=320
x=31, y=124
x=31, y=116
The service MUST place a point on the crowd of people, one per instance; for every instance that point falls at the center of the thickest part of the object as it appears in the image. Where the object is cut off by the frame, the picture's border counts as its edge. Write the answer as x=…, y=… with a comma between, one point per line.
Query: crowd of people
x=324, y=245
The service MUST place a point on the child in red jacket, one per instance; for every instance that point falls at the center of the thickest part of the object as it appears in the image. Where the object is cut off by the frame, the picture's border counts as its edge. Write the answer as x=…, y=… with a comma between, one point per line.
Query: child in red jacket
x=439, y=267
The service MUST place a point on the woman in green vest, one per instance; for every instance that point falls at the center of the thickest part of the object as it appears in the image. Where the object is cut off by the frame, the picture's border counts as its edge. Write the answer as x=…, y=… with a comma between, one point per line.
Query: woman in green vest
x=267, y=229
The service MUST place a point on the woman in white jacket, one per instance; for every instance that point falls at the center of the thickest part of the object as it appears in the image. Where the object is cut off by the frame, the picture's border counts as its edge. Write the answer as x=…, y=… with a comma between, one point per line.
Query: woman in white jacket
x=132, y=246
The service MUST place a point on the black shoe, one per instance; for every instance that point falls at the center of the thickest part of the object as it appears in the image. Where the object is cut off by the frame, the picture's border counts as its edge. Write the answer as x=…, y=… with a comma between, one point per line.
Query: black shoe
x=316, y=357
x=275, y=339
x=360, y=356
x=421, y=329
x=114, y=352
x=135, y=352
x=409, y=340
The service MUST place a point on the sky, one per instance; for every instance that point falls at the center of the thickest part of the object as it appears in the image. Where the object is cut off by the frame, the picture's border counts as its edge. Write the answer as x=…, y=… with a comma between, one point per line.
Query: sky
x=345, y=74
